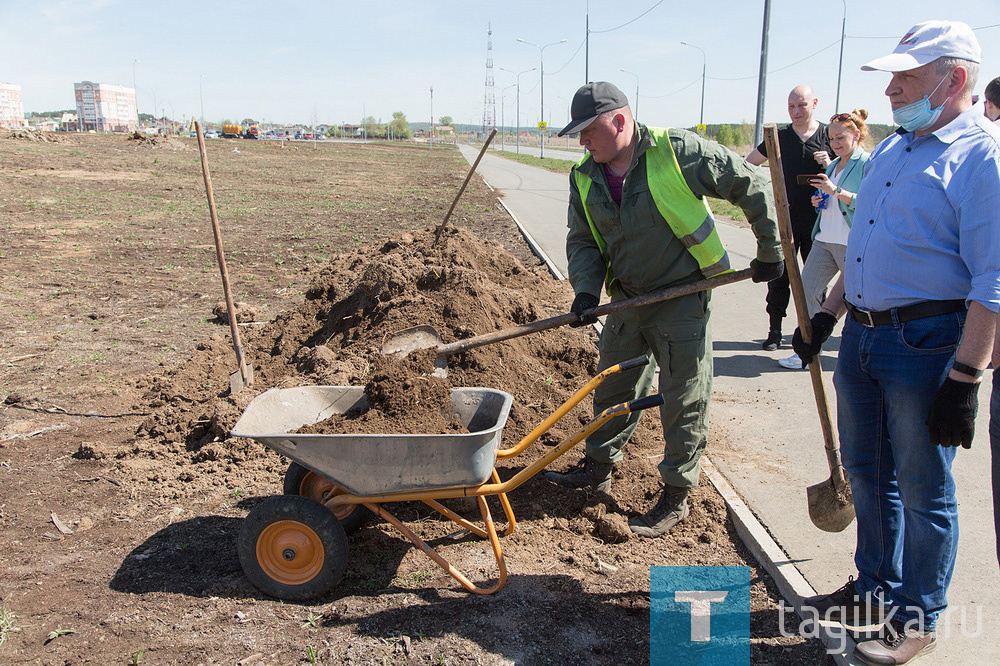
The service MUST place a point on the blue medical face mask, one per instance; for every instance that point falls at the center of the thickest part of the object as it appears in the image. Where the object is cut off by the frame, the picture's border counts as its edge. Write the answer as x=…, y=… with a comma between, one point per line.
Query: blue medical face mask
x=918, y=115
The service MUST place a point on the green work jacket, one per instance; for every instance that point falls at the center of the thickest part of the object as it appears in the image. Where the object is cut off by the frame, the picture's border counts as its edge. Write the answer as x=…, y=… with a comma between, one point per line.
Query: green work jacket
x=642, y=250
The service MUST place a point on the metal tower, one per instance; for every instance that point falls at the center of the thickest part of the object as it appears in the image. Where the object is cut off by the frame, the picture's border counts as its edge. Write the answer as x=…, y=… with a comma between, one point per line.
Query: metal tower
x=490, y=102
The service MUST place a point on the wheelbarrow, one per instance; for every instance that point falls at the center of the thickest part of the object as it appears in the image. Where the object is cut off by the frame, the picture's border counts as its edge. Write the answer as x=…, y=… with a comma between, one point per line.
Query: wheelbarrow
x=294, y=546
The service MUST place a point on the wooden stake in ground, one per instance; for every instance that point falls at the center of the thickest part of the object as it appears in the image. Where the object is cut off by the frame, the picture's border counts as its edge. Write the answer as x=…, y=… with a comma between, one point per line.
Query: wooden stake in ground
x=831, y=506
x=244, y=373
x=437, y=233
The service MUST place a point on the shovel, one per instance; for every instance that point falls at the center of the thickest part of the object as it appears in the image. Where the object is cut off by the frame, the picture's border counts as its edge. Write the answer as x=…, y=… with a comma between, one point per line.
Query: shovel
x=412, y=339
x=243, y=376
x=831, y=506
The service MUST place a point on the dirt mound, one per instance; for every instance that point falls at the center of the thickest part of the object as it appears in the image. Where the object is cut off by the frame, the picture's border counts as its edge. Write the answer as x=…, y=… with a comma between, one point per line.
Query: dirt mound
x=156, y=141
x=32, y=135
x=463, y=287
x=402, y=392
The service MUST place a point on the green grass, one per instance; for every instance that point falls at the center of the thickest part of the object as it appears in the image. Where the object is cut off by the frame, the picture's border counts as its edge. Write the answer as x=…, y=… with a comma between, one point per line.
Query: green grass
x=723, y=207
x=8, y=624
x=558, y=166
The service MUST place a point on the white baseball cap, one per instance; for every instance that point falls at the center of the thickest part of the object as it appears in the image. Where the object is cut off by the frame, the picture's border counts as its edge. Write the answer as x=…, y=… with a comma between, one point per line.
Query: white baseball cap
x=926, y=42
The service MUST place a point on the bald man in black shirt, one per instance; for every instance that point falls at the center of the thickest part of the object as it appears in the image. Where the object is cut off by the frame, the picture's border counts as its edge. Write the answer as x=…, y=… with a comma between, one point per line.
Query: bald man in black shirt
x=805, y=149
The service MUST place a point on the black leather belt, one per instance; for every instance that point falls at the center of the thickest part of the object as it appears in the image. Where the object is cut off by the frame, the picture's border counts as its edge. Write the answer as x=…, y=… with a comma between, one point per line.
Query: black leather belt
x=872, y=318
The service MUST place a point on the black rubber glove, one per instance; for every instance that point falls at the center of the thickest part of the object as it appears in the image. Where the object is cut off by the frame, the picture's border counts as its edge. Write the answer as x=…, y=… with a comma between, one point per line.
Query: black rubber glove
x=822, y=329
x=584, y=301
x=764, y=271
x=952, y=417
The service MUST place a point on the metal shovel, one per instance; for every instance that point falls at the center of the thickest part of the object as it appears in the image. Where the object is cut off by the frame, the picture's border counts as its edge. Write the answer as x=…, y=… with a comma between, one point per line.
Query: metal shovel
x=831, y=506
x=412, y=339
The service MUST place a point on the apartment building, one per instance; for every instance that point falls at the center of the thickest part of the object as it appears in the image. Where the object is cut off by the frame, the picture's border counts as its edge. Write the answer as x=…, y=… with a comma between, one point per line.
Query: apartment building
x=105, y=108
x=11, y=108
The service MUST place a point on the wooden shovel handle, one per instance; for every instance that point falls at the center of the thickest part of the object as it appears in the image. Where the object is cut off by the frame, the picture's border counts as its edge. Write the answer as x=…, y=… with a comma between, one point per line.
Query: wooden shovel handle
x=798, y=293
x=221, y=256
x=468, y=177
x=607, y=308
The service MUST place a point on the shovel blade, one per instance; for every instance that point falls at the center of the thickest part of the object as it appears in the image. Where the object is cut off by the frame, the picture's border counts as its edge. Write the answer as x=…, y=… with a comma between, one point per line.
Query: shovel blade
x=236, y=381
x=831, y=508
x=411, y=339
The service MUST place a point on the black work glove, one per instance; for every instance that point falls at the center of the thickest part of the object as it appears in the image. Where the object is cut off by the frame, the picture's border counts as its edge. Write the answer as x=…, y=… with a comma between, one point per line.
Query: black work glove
x=952, y=416
x=584, y=301
x=764, y=271
x=822, y=329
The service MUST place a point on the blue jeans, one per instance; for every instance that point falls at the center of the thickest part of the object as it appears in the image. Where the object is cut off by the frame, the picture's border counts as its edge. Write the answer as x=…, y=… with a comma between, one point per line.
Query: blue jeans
x=904, y=493
x=995, y=454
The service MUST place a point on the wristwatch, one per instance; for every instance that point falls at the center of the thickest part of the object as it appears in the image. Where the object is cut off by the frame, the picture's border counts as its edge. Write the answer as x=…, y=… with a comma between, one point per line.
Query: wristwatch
x=838, y=191
x=975, y=373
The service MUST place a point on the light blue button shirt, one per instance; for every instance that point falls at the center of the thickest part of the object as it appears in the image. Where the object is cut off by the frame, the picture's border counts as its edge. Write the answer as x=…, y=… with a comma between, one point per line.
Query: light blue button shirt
x=927, y=221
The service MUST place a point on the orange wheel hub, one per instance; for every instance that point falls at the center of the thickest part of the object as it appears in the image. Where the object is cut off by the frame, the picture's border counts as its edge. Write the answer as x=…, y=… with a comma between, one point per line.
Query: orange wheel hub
x=321, y=489
x=290, y=552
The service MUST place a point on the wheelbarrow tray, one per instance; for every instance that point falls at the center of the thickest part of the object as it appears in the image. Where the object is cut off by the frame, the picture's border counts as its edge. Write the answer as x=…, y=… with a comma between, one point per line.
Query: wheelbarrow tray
x=374, y=464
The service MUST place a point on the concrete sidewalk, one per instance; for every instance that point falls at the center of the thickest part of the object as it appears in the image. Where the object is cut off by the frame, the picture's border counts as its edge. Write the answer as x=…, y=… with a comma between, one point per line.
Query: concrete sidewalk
x=766, y=434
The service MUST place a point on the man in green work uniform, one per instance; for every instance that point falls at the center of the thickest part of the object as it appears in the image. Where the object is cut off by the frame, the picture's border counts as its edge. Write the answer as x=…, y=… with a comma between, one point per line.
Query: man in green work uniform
x=638, y=222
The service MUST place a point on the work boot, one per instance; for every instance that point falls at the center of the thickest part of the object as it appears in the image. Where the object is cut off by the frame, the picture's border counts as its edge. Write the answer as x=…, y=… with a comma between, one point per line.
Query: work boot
x=845, y=606
x=773, y=340
x=670, y=509
x=897, y=645
x=588, y=473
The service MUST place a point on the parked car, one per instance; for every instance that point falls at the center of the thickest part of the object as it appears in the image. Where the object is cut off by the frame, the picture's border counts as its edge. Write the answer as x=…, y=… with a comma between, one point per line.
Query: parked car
x=211, y=134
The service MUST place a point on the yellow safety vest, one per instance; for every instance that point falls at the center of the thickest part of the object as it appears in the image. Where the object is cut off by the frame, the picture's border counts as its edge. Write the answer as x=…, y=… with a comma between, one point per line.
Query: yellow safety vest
x=687, y=216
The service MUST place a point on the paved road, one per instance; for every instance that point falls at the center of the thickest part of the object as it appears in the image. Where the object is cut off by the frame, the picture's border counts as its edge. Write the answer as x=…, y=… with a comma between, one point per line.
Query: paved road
x=767, y=439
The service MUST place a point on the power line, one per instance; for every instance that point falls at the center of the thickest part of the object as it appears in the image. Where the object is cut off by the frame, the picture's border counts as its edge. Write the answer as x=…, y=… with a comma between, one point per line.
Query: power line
x=570, y=58
x=628, y=22
x=674, y=92
x=982, y=27
x=774, y=71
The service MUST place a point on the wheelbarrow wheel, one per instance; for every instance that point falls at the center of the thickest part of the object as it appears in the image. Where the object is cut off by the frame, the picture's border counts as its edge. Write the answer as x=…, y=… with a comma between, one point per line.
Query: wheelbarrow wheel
x=302, y=481
x=292, y=548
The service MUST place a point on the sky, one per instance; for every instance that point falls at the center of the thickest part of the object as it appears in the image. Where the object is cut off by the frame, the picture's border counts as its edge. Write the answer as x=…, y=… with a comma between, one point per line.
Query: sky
x=304, y=62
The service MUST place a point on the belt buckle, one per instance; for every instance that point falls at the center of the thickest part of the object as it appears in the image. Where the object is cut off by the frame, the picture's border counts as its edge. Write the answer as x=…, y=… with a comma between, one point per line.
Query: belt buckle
x=865, y=318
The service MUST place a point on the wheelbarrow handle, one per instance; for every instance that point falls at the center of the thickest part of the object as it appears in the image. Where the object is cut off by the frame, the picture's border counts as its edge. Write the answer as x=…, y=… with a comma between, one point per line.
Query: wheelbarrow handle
x=647, y=402
x=636, y=362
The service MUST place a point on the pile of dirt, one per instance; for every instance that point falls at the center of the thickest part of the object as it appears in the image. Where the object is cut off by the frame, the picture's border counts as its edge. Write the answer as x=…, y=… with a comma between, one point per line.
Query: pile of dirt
x=37, y=136
x=401, y=392
x=142, y=139
x=462, y=287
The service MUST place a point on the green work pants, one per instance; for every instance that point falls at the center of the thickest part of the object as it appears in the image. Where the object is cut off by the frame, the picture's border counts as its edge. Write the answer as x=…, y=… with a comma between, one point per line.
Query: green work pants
x=678, y=337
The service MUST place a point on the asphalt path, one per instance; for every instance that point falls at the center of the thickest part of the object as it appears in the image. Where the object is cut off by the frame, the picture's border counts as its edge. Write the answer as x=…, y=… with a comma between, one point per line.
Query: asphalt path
x=767, y=439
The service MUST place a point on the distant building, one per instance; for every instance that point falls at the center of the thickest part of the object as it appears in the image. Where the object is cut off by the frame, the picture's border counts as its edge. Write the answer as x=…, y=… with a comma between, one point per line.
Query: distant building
x=11, y=109
x=102, y=107
x=68, y=122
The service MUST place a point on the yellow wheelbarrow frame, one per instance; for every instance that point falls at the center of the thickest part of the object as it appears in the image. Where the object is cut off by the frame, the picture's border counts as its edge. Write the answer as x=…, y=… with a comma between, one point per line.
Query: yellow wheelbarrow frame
x=494, y=487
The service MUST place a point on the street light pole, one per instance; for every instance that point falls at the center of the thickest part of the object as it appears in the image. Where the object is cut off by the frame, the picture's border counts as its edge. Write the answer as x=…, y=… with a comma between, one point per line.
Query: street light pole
x=704, y=65
x=503, y=103
x=758, y=131
x=541, y=79
x=635, y=107
x=840, y=68
x=517, y=119
x=135, y=91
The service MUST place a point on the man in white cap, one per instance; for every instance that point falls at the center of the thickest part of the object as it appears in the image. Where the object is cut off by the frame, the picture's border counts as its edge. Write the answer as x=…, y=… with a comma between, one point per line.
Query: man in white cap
x=921, y=286
x=638, y=222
